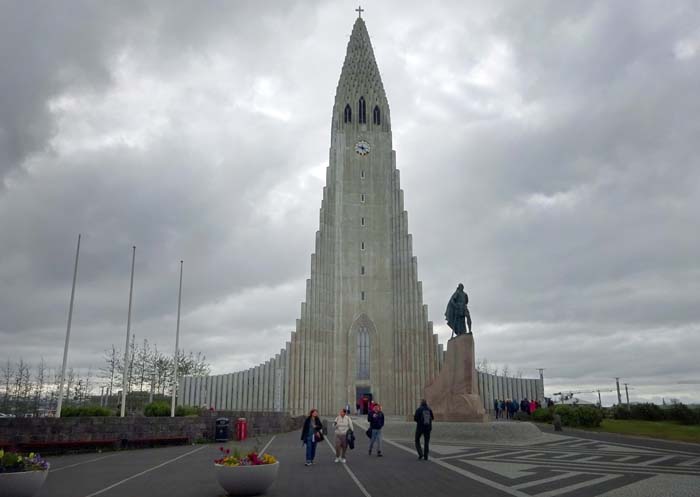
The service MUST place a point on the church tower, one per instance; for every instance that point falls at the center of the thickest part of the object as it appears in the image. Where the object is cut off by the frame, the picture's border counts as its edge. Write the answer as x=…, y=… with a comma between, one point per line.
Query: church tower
x=363, y=327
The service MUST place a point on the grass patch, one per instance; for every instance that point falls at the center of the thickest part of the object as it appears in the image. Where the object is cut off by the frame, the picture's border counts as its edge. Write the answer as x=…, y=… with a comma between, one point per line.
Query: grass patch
x=667, y=430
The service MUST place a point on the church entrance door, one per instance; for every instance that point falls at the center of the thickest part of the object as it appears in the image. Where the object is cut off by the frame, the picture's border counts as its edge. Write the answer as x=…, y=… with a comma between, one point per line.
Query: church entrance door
x=364, y=398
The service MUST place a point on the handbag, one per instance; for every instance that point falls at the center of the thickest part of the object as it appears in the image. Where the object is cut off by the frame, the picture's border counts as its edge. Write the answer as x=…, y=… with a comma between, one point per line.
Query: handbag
x=318, y=436
x=350, y=438
x=369, y=432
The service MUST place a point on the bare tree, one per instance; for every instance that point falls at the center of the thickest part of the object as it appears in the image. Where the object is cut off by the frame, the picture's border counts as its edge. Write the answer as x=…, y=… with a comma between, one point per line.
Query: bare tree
x=70, y=381
x=143, y=365
x=110, y=371
x=8, y=374
x=41, y=377
x=132, y=355
x=21, y=387
x=506, y=370
x=87, y=389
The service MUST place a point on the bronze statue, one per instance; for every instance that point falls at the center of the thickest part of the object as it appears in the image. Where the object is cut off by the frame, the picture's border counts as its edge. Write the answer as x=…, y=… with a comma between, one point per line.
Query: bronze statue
x=457, y=311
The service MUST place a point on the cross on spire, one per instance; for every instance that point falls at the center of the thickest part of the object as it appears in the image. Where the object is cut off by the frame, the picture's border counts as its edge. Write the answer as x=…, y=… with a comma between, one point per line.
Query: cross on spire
x=359, y=11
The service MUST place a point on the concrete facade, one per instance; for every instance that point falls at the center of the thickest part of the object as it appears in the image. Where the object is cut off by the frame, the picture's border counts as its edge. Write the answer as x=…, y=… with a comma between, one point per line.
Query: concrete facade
x=504, y=387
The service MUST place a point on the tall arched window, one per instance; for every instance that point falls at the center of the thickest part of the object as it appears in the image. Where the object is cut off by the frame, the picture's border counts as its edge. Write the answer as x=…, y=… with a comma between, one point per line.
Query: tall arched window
x=376, y=116
x=348, y=114
x=363, y=353
x=362, y=119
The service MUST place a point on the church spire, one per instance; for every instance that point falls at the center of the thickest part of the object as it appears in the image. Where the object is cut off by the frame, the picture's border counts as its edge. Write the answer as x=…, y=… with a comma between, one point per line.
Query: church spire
x=360, y=76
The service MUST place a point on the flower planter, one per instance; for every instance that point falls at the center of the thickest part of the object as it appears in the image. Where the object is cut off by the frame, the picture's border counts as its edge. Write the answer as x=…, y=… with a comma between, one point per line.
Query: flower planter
x=247, y=480
x=22, y=484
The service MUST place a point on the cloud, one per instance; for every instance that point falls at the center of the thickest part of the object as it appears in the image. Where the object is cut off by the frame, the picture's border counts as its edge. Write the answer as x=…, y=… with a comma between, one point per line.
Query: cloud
x=547, y=154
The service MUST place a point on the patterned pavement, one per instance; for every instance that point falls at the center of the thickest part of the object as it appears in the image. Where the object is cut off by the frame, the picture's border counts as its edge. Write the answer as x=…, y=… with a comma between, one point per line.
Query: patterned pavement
x=573, y=467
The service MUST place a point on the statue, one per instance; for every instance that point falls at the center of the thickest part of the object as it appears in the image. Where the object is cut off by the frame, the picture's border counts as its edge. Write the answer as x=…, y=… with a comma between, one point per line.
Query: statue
x=457, y=311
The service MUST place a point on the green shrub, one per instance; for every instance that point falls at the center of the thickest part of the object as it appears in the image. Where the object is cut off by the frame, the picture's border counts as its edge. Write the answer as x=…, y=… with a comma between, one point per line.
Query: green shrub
x=75, y=411
x=683, y=414
x=647, y=412
x=543, y=415
x=161, y=408
x=157, y=409
x=586, y=416
x=567, y=414
x=187, y=411
x=589, y=416
x=620, y=412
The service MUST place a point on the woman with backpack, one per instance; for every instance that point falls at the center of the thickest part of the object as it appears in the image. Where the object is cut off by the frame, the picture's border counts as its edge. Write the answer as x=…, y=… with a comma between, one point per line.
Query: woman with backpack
x=311, y=434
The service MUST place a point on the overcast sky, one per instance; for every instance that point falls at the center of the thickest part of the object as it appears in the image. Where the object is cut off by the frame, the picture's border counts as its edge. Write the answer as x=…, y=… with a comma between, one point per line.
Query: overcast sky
x=548, y=153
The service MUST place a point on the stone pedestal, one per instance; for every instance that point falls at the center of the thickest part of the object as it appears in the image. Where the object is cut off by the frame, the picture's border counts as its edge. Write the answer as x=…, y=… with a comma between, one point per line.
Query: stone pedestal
x=453, y=395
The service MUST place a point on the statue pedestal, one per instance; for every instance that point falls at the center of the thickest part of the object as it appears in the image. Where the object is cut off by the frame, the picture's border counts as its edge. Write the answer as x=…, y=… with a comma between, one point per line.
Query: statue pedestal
x=453, y=395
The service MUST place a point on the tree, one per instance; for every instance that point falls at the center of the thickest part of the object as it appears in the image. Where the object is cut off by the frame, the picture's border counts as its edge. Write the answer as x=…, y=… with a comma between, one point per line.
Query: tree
x=110, y=371
x=21, y=386
x=41, y=377
x=70, y=380
x=143, y=365
x=8, y=374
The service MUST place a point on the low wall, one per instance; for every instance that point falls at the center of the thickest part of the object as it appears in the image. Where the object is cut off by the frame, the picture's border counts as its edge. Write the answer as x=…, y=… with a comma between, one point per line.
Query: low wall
x=195, y=428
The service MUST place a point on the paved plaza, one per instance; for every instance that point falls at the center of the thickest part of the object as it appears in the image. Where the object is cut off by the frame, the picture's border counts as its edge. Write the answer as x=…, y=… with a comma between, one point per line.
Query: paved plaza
x=570, y=465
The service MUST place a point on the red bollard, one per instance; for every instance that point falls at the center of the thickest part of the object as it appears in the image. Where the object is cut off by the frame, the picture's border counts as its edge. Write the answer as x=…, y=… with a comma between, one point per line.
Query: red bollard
x=241, y=429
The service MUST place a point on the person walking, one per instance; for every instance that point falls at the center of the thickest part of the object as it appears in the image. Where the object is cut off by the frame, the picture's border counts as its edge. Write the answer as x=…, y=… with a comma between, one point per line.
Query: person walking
x=343, y=424
x=376, y=422
x=311, y=434
x=424, y=424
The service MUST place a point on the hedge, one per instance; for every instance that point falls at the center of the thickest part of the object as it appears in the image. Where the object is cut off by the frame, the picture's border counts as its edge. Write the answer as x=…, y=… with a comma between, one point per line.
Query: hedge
x=162, y=409
x=678, y=412
x=76, y=411
x=571, y=415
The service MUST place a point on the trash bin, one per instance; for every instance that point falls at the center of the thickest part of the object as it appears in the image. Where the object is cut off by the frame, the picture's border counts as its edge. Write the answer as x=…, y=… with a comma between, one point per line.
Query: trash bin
x=221, y=430
x=241, y=429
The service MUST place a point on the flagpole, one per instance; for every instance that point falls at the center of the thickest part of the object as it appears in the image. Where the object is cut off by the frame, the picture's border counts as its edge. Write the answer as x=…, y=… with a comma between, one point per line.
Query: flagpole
x=65, y=347
x=177, y=345
x=128, y=332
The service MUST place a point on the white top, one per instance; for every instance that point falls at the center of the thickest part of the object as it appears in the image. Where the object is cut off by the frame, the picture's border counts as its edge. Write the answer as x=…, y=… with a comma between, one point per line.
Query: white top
x=343, y=424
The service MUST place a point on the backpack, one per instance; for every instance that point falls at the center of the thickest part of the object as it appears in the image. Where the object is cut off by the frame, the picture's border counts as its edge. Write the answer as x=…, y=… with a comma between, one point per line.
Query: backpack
x=426, y=417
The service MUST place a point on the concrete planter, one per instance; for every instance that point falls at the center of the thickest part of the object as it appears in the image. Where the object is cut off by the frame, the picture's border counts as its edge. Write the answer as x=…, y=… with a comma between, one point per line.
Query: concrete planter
x=22, y=484
x=247, y=480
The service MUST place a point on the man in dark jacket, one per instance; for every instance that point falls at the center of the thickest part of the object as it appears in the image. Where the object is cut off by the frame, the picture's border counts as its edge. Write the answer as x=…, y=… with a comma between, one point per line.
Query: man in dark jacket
x=376, y=422
x=424, y=424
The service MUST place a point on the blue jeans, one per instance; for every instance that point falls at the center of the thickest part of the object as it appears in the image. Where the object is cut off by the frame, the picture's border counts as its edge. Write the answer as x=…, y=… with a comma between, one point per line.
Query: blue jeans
x=376, y=437
x=310, y=448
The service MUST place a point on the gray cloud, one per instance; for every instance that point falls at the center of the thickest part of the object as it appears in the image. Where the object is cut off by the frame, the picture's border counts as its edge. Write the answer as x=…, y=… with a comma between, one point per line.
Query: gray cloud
x=547, y=154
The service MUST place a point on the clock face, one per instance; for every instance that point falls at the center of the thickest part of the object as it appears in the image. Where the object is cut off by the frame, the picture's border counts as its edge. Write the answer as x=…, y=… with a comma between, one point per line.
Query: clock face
x=362, y=147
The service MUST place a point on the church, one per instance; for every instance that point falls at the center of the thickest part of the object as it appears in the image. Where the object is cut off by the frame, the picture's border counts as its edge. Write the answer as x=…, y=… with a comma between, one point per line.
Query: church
x=363, y=330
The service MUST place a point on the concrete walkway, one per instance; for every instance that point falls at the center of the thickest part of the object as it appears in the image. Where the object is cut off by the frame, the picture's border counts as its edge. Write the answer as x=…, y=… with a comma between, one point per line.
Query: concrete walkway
x=559, y=465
